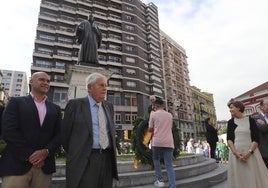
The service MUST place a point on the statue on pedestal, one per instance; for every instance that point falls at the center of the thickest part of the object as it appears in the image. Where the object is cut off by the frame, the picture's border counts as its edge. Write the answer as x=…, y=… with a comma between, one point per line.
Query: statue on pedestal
x=88, y=35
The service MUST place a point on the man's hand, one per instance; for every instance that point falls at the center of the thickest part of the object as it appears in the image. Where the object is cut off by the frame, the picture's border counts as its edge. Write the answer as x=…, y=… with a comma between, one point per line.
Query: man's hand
x=38, y=158
x=261, y=122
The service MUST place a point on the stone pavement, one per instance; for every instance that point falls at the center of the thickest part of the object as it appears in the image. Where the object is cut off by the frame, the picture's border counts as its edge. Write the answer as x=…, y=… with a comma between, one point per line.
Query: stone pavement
x=221, y=185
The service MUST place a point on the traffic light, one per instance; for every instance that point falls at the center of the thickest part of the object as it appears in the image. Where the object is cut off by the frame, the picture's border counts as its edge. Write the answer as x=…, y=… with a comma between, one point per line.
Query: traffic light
x=126, y=134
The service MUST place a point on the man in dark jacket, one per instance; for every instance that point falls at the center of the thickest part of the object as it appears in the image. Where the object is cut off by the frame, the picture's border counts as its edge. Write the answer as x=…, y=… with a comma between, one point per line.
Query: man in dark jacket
x=262, y=124
x=31, y=129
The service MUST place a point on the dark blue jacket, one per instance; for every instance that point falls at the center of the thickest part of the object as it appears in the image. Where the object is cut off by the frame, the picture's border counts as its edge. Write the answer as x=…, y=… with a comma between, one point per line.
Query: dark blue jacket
x=23, y=134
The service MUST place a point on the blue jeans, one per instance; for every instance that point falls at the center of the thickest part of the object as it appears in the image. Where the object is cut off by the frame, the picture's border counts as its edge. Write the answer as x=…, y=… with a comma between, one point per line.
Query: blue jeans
x=168, y=155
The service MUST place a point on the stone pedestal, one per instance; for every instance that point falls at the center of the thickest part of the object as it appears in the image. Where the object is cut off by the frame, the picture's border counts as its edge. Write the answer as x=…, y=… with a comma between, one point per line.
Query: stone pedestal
x=76, y=78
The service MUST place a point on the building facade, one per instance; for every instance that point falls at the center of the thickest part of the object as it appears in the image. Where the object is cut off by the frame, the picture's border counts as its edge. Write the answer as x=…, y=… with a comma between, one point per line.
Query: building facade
x=130, y=48
x=177, y=84
x=14, y=83
x=203, y=108
x=3, y=93
x=251, y=99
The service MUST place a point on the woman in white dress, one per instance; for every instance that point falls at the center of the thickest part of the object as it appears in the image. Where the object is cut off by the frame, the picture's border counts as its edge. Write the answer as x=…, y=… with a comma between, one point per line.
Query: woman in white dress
x=246, y=168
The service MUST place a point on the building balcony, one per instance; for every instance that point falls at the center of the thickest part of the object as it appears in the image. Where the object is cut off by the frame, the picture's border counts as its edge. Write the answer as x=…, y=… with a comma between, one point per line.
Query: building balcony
x=62, y=57
x=59, y=84
x=64, y=20
x=65, y=32
x=115, y=88
x=65, y=45
x=117, y=1
x=115, y=9
x=125, y=108
x=114, y=51
x=44, y=42
x=100, y=5
x=84, y=2
x=48, y=18
x=47, y=29
x=43, y=55
x=47, y=69
x=50, y=6
x=67, y=10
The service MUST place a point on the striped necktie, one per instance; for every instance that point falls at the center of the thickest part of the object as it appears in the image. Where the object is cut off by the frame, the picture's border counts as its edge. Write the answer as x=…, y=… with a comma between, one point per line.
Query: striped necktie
x=103, y=137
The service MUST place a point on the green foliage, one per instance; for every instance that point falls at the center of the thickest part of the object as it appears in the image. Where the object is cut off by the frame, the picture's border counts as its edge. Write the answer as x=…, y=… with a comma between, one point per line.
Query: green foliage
x=144, y=153
x=223, y=131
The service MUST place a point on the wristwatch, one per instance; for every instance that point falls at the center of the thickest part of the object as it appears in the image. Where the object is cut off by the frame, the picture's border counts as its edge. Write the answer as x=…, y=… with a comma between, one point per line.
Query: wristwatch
x=251, y=151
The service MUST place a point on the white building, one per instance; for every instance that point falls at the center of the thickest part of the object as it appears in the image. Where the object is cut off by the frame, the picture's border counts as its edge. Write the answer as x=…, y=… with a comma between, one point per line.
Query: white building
x=15, y=83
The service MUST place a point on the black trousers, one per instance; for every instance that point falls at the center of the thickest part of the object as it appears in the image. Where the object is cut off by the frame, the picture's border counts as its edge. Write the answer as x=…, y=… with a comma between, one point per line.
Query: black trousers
x=98, y=172
x=212, y=149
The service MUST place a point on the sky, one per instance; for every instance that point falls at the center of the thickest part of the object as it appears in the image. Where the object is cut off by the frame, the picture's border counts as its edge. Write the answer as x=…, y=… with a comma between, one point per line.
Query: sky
x=225, y=41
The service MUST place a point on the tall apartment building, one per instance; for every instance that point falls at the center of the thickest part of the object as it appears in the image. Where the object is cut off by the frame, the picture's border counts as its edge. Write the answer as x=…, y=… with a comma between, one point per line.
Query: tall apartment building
x=130, y=48
x=14, y=83
x=177, y=84
x=203, y=108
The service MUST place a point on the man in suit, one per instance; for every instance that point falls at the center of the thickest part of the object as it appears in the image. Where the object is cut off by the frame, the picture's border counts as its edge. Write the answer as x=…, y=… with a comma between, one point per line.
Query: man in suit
x=1, y=112
x=89, y=163
x=31, y=129
x=262, y=123
x=151, y=106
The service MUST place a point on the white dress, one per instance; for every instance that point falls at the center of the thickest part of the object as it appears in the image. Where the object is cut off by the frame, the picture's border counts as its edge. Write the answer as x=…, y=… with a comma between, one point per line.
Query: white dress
x=252, y=173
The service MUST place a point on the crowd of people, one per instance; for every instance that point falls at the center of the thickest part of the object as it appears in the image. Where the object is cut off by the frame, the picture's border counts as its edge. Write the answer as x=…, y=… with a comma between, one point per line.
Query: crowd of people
x=33, y=129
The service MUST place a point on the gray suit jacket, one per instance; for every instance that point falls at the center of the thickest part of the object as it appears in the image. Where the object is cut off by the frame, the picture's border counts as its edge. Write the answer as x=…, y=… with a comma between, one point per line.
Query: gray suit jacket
x=77, y=138
x=263, y=130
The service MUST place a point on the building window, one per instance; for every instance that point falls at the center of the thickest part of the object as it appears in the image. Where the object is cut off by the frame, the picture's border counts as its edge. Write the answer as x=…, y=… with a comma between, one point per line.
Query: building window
x=102, y=57
x=45, y=51
x=114, y=47
x=114, y=99
x=60, y=65
x=130, y=18
x=41, y=63
x=130, y=28
x=157, y=90
x=130, y=60
x=19, y=80
x=131, y=84
x=130, y=100
x=116, y=70
x=60, y=95
x=130, y=8
x=130, y=37
x=130, y=49
x=47, y=38
x=117, y=118
x=59, y=78
x=131, y=71
x=65, y=40
x=64, y=53
x=115, y=59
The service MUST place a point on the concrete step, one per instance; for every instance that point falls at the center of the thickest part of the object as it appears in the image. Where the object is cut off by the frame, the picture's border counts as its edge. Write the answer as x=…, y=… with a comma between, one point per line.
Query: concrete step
x=145, y=178
x=212, y=178
x=191, y=172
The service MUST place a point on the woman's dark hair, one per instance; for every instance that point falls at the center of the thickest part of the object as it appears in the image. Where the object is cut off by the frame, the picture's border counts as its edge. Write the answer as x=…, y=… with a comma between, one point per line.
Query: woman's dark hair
x=207, y=120
x=238, y=104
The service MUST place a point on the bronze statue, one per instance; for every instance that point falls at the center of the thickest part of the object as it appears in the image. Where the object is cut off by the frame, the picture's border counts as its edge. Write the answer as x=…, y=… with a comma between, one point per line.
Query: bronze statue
x=89, y=36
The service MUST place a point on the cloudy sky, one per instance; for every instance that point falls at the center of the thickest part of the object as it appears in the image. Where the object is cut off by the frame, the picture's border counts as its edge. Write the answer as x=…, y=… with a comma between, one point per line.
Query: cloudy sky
x=225, y=41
